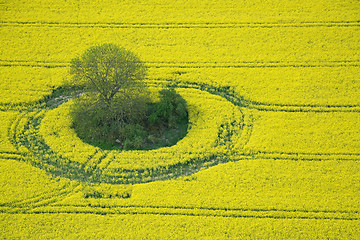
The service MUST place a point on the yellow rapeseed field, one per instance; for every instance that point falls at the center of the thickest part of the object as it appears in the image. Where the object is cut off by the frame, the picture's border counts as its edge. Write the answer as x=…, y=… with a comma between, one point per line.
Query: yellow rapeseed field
x=273, y=144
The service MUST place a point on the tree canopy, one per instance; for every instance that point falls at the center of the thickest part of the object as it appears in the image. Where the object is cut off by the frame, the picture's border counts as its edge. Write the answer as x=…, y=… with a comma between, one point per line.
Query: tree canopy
x=107, y=69
x=114, y=108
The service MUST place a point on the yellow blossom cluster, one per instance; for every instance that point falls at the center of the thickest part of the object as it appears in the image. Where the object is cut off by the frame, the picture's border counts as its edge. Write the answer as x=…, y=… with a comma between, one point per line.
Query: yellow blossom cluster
x=22, y=86
x=272, y=150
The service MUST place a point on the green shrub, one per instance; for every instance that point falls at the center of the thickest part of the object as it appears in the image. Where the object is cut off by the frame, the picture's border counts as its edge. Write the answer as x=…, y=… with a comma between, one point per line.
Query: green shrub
x=171, y=109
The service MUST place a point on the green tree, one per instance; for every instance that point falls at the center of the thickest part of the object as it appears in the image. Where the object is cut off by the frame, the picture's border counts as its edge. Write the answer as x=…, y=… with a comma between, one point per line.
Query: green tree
x=114, y=94
x=107, y=70
x=113, y=108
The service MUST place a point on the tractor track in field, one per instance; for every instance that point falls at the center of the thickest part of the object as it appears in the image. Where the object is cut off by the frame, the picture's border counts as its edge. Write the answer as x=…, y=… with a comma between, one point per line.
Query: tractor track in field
x=250, y=104
x=294, y=156
x=232, y=97
x=191, y=25
x=163, y=64
x=194, y=211
x=40, y=200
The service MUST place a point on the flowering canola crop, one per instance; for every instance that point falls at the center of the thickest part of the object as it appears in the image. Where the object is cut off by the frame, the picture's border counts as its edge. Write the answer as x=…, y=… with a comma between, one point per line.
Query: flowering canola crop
x=272, y=149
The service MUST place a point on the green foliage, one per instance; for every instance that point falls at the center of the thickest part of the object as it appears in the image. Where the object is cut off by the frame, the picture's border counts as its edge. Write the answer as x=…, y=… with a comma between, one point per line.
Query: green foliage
x=108, y=69
x=115, y=96
x=99, y=124
x=171, y=109
x=106, y=191
x=115, y=93
x=124, y=125
x=132, y=136
x=113, y=107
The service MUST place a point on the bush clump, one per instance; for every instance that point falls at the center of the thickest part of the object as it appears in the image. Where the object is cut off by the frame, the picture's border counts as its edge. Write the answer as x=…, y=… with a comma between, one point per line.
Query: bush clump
x=164, y=123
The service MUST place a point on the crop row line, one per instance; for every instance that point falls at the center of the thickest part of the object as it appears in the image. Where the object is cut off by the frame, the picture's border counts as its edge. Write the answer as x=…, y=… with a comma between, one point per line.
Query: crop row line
x=182, y=65
x=18, y=157
x=42, y=199
x=307, y=156
x=310, y=154
x=303, y=158
x=13, y=130
x=184, y=62
x=13, y=153
x=265, y=155
x=305, y=108
x=259, y=65
x=246, y=131
x=240, y=101
x=250, y=104
x=180, y=212
x=213, y=208
x=267, y=106
x=183, y=24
